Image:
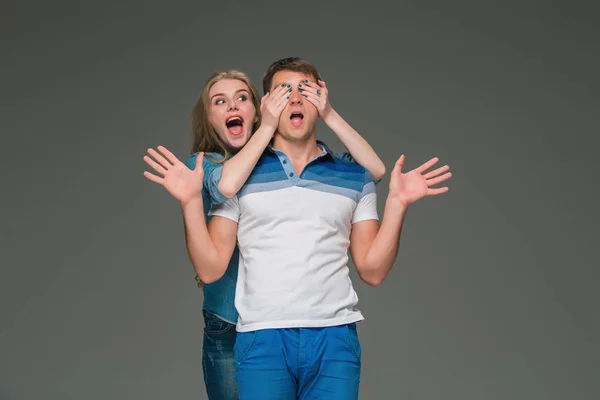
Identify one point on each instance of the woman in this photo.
(233, 128)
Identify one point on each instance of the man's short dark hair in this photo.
(295, 64)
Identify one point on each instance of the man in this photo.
(294, 220)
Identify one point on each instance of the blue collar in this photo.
(326, 150)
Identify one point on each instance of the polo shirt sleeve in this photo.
(346, 156)
(212, 176)
(366, 209)
(229, 209)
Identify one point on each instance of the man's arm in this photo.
(209, 248)
(374, 248)
(209, 256)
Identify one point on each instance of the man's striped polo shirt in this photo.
(293, 238)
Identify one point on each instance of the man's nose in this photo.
(296, 97)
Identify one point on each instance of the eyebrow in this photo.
(221, 94)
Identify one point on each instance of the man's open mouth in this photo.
(296, 118)
(235, 125)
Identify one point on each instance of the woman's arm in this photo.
(238, 168)
(358, 147)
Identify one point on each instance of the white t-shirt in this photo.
(293, 238)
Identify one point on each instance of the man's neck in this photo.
(300, 152)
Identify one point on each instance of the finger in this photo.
(436, 172)
(155, 165)
(275, 95)
(160, 158)
(281, 94)
(305, 88)
(427, 165)
(283, 90)
(313, 98)
(322, 83)
(312, 87)
(153, 178)
(262, 100)
(435, 181)
(433, 192)
(399, 165)
(280, 105)
(170, 156)
(305, 93)
(283, 100)
(310, 84)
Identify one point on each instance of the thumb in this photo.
(321, 83)
(199, 161)
(399, 165)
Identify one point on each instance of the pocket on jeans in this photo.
(214, 324)
(352, 340)
(244, 342)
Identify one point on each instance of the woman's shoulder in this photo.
(211, 159)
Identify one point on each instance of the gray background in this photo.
(494, 294)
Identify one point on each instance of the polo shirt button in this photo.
(285, 161)
(291, 174)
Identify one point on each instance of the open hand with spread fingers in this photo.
(411, 186)
(183, 183)
(318, 95)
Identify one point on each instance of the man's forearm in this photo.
(384, 248)
(203, 253)
(360, 149)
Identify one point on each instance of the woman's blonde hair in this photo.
(204, 135)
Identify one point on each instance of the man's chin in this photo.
(294, 134)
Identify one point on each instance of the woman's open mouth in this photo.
(235, 125)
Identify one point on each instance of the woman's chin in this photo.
(236, 142)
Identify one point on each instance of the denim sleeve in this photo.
(212, 176)
(346, 156)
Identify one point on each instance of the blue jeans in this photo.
(298, 363)
(217, 358)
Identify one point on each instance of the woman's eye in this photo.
(220, 101)
(243, 97)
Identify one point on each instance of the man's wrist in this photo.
(395, 206)
(193, 204)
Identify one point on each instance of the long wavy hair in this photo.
(205, 137)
